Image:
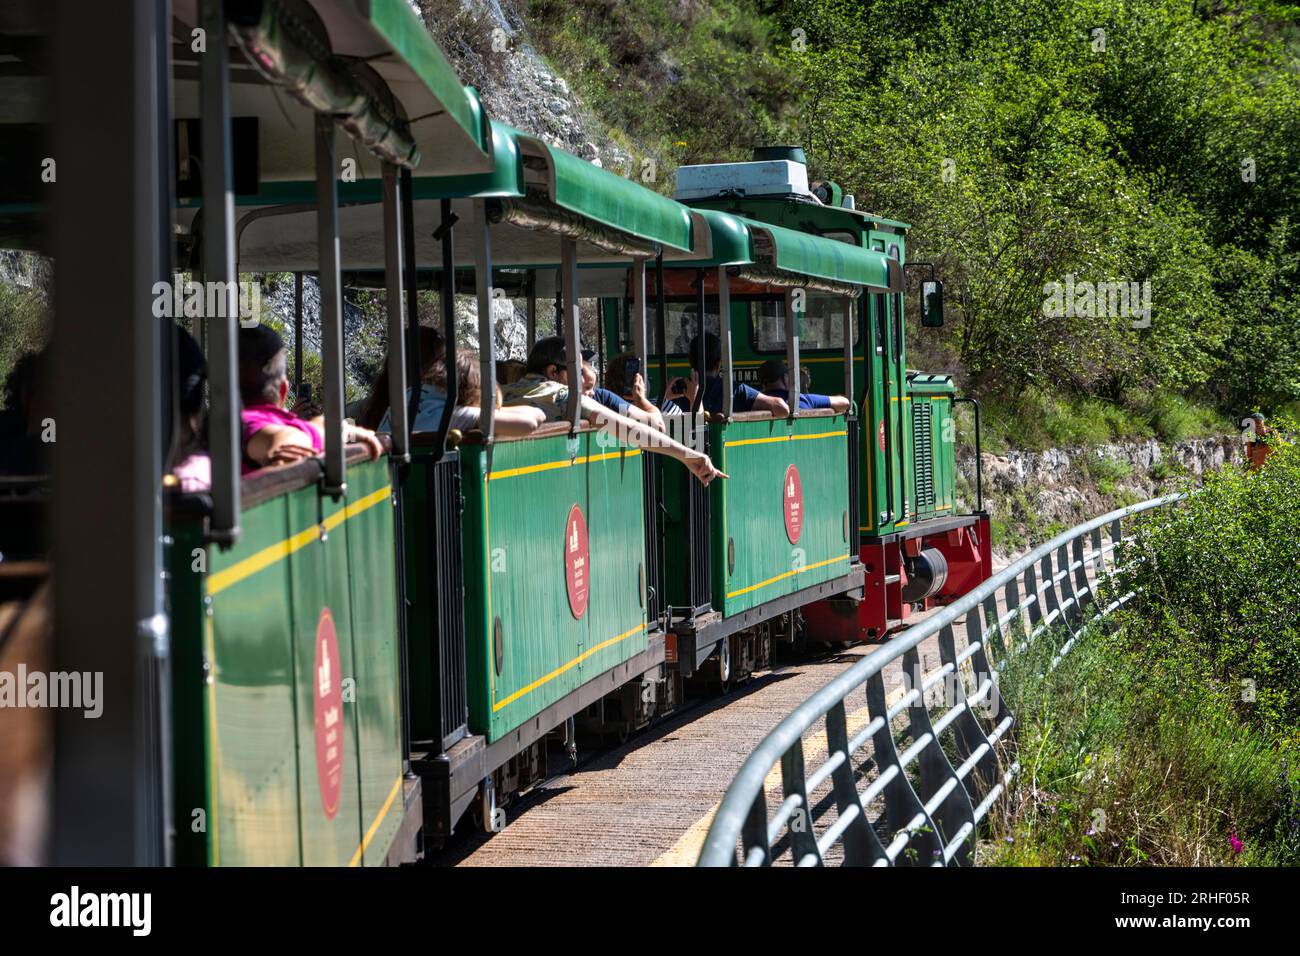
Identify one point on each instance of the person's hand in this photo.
(288, 454)
(692, 386)
(364, 436)
(702, 467)
(638, 388)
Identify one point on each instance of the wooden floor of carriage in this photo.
(651, 800)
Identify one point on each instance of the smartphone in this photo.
(631, 370)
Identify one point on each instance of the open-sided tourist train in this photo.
(347, 656)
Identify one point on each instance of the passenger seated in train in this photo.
(272, 435)
(774, 379)
(433, 387)
(191, 470)
(27, 417)
(615, 402)
(623, 378)
(546, 387)
(514, 422)
(744, 398)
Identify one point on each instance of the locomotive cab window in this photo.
(822, 328)
(681, 322)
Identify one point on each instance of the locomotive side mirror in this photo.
(932, 304)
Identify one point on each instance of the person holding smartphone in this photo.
(623, 377)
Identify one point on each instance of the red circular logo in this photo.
(792, 496)
(577, 564)
(882, 435)
(328, 696)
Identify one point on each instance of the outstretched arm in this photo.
(645, 437)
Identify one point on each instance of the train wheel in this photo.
(724, 664)
(489, 817)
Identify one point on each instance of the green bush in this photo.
(1220, 594)
(1122, 767)
(1172, 737)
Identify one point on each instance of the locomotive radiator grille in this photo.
(923, 457)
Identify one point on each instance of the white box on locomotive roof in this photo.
(778, 177)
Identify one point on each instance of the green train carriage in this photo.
(496, 661)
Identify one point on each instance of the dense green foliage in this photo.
(1220, 598)
(24, 326)
(1183, 725)
(1118, 769)
(1025, 147)
(684, 82)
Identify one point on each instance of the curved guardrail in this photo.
(926, 793)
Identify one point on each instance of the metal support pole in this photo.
(297, 336)
(792, 348)
(660, 320)
(531, 294)
(559, 301)
(414, 361)
(849, 321)
(393, 283)
(979, 452)
(111, 802)
(486, 327)
(569, 287)
(331, 305)
(724, 335)
(447, 294)
(638, 316)
(224, 432)
(701, 357)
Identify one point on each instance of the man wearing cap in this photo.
(545, 385)
(774, 379)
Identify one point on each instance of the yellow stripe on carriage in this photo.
(564, 667)
(787, 574)
(374, 826)
(268, 556)
(775, 438)
(567, 463)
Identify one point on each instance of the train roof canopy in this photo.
(372, 63)
(535, 193)
(761, 250)
(790, 251)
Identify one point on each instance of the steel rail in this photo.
(931, 807)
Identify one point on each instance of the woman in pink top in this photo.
(273, 436)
